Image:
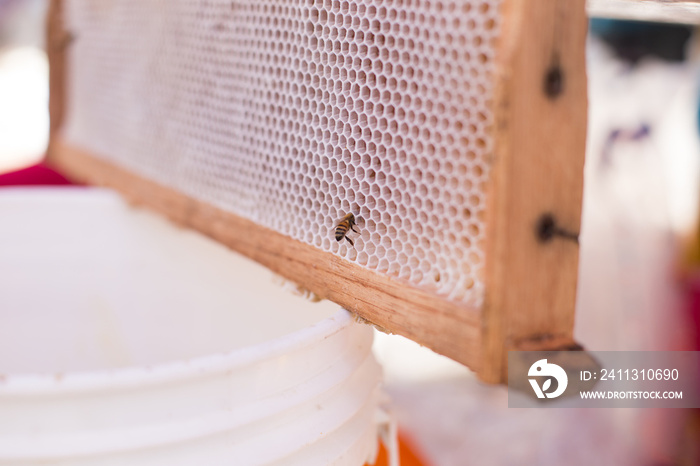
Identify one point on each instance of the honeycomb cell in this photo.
(304, 109)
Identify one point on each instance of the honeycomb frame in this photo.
(332, 107)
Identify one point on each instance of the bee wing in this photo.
(349, 217)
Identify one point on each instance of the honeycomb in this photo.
(292, 113)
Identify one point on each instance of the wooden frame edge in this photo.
(536, 189)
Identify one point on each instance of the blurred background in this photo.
(639, 283)
(24, 119)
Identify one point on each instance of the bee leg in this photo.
(353, 229)
(350, 241)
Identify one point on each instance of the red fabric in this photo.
(36, 175)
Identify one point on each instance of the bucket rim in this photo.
(171, 371)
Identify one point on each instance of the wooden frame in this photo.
(533, 217)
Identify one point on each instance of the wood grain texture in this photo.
(393, 305)
(537, 171)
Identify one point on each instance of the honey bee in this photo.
(344, 225)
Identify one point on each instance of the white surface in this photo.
(126, 340)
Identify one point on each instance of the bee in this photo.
(344, 224)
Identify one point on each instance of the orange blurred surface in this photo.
(408, 454)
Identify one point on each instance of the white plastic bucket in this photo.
(127, 341)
